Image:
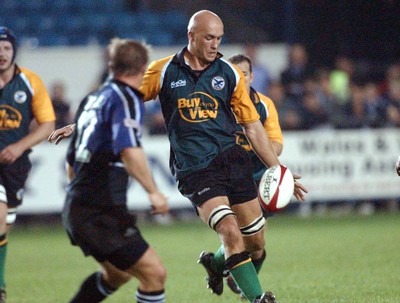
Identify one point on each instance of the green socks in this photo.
(245, 275)
(3, 253)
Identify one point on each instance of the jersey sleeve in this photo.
(271, 124)
(42, 106)
(152, 79)
(126, 129)
(241, 103)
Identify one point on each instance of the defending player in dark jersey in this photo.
(23, 98)
(104, 152)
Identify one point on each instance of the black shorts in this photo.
(230, 174)
(106, 233)
(12, 180)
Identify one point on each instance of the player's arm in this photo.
(260, 142)
(13, 151)
(271, 124)
(137, 167)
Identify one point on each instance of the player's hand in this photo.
(159, 203)
(299, 189)
(11, 153)
(398, 166)
(61, 133)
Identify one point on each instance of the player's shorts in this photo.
(229, 174)
(106, 233)
(12, 180)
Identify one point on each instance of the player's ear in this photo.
(251, 77)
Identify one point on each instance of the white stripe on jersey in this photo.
(132, 136)
(265, 106)
(28, 84)
(235, 72)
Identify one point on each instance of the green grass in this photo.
(329, 259)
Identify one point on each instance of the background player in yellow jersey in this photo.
(270, 120)
(23, 98)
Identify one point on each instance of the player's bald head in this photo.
(204, 19)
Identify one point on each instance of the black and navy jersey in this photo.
(107, 121)
(270, 120)
(23, 99)
(200, 108)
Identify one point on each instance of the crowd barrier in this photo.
(334, 165)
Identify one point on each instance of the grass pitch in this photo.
(315, 260)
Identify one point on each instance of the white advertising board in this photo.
(334, 165)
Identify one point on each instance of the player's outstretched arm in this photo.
(61, 133)
(136, 165)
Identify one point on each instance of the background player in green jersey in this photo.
(23, 98)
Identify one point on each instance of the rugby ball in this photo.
(276, 188)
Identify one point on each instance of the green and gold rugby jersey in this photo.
(200, 108)
(23, 99)
(270, 120)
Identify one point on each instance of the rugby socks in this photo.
(259, 262)
(150, 297)
(244, 274)
(3, 253)
(93, 290)
(218, 260)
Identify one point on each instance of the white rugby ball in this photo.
(276, 188)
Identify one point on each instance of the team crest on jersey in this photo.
(20, 96)
(198, 107)
(10, 117)
(218, 83)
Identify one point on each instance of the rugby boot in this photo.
(215, 280)
(267, 297)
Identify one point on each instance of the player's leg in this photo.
(12, 182)
(218, 215)
(252, 226)
(114, 240)
(151, 273)
(101, 284)
(3, 243)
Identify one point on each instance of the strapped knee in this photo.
(254, 227)
(219, 213)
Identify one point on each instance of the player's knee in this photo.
(221, 213)
(154, 278)
(116, 279)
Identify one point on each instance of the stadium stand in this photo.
(75, 22)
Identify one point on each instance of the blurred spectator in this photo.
(354, 110)
(290, 117)
(60, 104)
(314, 114)
(375, 105)
(392, 98)
(329, 101)
(297, 71)
(154, 119)
(261, 74)
(340, 78)
(392, 73)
